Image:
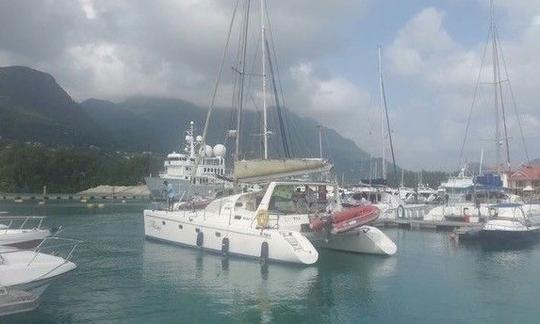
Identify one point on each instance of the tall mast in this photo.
(263, 57)
(385, 116)
(496, 89)
(242, 77)
(381, 102)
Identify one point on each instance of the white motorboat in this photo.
(32, 270)
(23, 232)
(272, 223)
(509, 222)
(25, 274)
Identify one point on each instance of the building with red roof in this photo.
(526, 177)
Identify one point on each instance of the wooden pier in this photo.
(420, 224)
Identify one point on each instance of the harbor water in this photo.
(121, 277)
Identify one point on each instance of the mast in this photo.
(263, 57)
(384, 112)
(495, 88)
(381, 103)
(242, 78)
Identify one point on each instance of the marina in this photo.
(271, 197)
(123, 277)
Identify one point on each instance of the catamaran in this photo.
(267, 223)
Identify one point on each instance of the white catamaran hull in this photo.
(196, 232)
(366, 239)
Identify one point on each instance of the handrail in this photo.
(25, 220)
(68, 241)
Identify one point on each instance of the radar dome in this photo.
(189, 138)
(208, 151)
(219, 150)
(199, 138)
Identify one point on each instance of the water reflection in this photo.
(272, 291)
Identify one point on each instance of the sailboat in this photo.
(271, 219)
(484, 198)
(376, 191)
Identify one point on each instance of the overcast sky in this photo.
(327, 57)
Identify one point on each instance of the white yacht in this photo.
(179, 170)
(509, 222)
(469, 199)
(271, 224)
(25, 274)
(23, 232)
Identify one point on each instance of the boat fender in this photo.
(225, 246)
(200, 239)
(262, 218)
(264, 251)
(400, 212)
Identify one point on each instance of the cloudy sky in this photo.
(327, 56)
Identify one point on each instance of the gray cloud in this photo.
(112, 49)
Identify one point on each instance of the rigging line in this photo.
(516, 112)
(214, 94)
(473, 103)
(285, 112)
(505, 128)
(220, 71)
(278, 107)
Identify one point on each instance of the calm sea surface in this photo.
(121, 277)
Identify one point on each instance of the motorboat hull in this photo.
(23, 238)
(196, 232)
(531, 234)
(365, 239)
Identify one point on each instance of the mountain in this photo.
(33, 107)
(158, 125)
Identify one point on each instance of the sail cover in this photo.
(259, 170)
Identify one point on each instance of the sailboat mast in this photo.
(242, 78)
(381, 100)
(385, 111)
(263, 57)
(496, 89)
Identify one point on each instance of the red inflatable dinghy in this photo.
(354, 217)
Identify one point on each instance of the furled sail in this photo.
(259, 170)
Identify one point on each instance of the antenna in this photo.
(320, 140)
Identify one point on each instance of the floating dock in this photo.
(425, 224)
